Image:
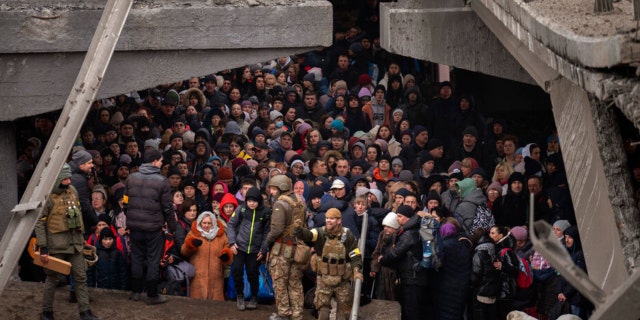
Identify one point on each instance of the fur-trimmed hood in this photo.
(202, 101)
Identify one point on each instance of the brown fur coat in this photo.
(208, 283)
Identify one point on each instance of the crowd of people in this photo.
(196, 175)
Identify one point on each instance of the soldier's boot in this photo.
(323, 313)
(240, 303)
(275, 316)
(253, 303)
(47, 315)
(88, 315)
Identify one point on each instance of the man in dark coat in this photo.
(149, 204)
(405, 258)
(311, 109)
(417, 112)
(81, 167)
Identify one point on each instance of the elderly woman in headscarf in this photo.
(207, 248)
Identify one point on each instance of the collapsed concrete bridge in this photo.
(43, 46)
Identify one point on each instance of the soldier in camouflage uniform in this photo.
(59, 234)
(337, 261)
(286, 275)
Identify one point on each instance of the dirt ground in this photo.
(23, 300)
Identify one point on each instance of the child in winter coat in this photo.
(228, 205)
(110, 271)
(247, 231)
(207, 249)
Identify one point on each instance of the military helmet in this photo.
(281, 181)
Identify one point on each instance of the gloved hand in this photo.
(196, 242)
(226, 256)
(357, 274)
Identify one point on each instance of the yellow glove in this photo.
(357, 275)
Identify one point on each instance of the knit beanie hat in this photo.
(303, 128)
(405, 175)
(225, 174)
(337, 124)
(520, 233)
(434, 143)
(315, 192)
(562, 224)
(495, 186)
(391, 220)
(471, 130)
(433, 195)
(81, 157)
(406, 211)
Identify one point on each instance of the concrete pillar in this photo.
(590, 186)
(8, 187)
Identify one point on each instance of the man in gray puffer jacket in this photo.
(149, 205)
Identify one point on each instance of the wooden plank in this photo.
(55, 264)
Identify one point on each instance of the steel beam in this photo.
(67, 128)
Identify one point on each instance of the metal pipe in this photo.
(358, 284)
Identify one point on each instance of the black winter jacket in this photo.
(150, 203)
(453, 278)
(404, 257)
(110, 272)
(249, 228)
(485, 279)
(510, 266)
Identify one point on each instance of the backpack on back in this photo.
(525, 276)
(482, 219)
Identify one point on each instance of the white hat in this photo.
(337, 184)
(362, 191)
(377, 193)
(274, 114)
(391, 220)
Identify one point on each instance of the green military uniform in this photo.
(59, 233)
(337, 255)
(286, 275)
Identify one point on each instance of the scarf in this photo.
(211, 234)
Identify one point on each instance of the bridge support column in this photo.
(592, 152)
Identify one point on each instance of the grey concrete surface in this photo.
(8, 190)
(453, 36)
(588, 182)
(42, 48)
